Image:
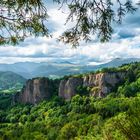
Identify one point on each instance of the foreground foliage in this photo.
(20, 19)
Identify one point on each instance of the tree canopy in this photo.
(22, 18)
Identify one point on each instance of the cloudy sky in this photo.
(125, 43)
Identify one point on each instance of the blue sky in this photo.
(125, 43)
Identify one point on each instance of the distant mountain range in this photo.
(57, 69)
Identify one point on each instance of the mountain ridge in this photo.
(58, 69)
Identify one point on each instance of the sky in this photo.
(125, 43)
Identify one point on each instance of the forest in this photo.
(115, 117)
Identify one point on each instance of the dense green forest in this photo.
(115, 117)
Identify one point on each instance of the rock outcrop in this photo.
(67, 88)
(103, 83)
(99, 84)
(36, 90)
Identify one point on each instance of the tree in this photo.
(68, 131)
(21, 18)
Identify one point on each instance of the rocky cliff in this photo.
(99, 84)
(103, 83)
(36, 90)
(67, 88)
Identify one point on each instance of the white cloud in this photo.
(50, 50)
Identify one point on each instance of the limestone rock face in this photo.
(100, 84)
(35, 90)
(67, 88)
(103, 83)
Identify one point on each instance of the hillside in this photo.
(10, 80)
(115, 116)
